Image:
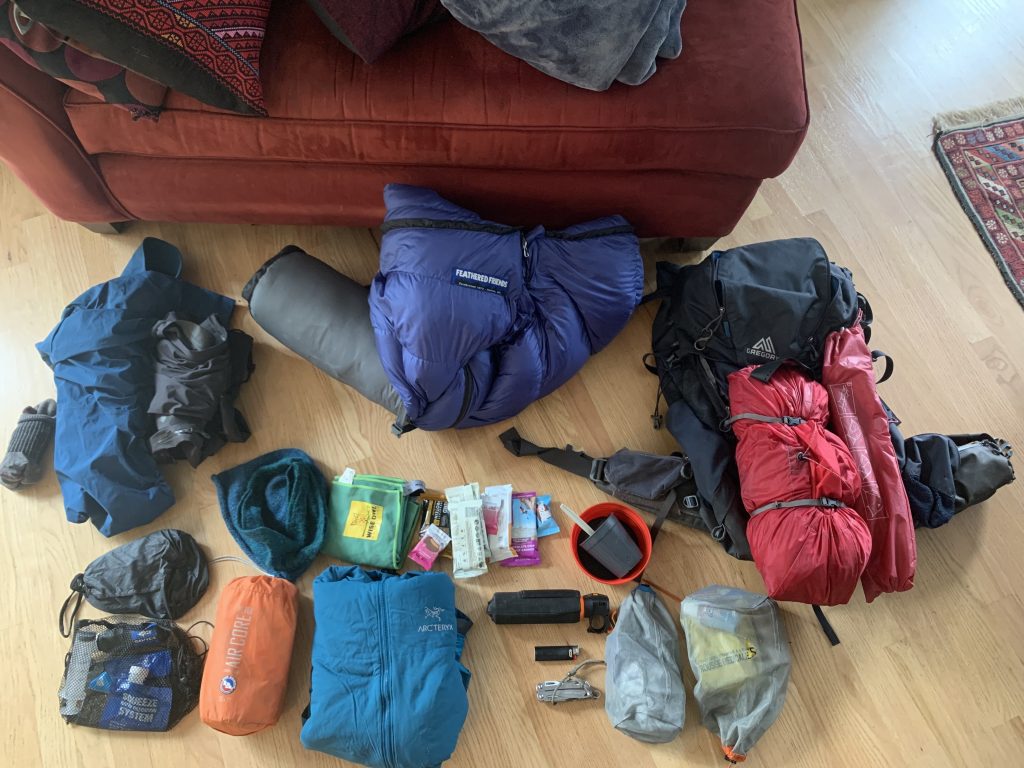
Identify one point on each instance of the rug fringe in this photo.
(1007, 109)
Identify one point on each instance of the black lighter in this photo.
(551, 606)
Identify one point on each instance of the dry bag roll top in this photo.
(371, 519)
(246, 674)
(161, 576)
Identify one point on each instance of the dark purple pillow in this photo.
(76, 66)
(370, 28)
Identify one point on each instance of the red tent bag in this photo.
(798, 482)
(859, 418)
(246, 672)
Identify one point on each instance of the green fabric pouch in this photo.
(370, 520)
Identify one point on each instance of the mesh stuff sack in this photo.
(130, 674)
(739, 655)
(161, 575)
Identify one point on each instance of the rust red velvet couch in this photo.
(681, 155)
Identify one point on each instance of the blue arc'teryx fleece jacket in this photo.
(387, 688)
(475, 320)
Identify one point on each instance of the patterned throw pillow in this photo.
(208, 49)
(76, 67)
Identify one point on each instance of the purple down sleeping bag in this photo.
(475, 320)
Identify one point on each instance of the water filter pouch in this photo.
(130, 674)
(371, 519)
(644, 694)
(739, 655)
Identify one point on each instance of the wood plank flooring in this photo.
(933, 677)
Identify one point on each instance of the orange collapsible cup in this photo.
(246, 671)
(636, 528)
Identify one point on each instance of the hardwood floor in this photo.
(933, 677)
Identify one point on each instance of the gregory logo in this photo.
(765, 347)
(480, 281)
(434, 614)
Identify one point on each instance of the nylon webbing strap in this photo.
(789, 421)
(823, 502)
(826, 625)
(576, 462)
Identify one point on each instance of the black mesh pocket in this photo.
(130, 674)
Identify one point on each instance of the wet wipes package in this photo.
(524, 530)
(498, 519)
(546, 523)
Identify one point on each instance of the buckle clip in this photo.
(597, 470)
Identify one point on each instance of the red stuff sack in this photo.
(798, 482)
(246, 671)
(859, 418)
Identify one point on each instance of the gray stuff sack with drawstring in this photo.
(644, 694)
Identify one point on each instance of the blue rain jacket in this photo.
(387, 687)
(101, 353)
(475, 320)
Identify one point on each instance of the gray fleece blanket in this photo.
(589, 43)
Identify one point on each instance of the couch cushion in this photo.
(732, 103)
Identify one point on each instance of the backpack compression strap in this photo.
(789, 421)
(822, 502)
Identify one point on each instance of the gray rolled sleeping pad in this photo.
(644, 694)
(324, 317)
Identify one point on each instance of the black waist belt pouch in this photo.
(130, 674)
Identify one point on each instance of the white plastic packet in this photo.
(469, 537)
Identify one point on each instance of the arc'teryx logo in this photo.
(434, 615)
(764, 347)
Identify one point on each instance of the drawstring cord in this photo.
(804, 457)
(77, 594)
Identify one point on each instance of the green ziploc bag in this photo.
(370, 520)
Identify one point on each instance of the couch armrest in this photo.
(39, 146)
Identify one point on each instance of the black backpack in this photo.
(761, 304)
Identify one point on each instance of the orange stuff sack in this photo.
(246, 672)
